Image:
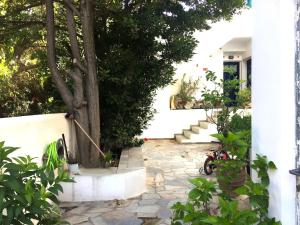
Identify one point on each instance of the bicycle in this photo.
(209, 165)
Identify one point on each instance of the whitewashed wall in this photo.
(166, 124)
(273, 100)
(208, 54)
(33, 133)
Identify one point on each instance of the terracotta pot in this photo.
(238, 179)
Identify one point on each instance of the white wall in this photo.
(168, 123)
(273, 100)
(208, 54)
(33, 133)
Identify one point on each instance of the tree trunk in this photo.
(84, 101)
(92, 87)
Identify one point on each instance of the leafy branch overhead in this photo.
(136, 45)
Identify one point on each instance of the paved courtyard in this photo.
(169, 166)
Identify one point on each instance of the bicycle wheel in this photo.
(209, 166)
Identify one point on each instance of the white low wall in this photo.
(33, 133)
(123, 185)
(169, 122)
(127, 181)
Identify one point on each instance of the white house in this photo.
(227, 42)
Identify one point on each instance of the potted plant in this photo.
(184, 99)
(202, 208)
(73, 165)
(72, 159)
(231, 173)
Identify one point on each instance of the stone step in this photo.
(203, 133)
(207, 125)
(199, 133)
(196, 129)
(200, 130)
(190, 134)
(200, 139)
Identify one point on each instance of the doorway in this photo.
(231, 72)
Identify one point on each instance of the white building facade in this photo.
(226, 41)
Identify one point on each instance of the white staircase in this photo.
(198, 133)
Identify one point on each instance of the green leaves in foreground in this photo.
(28, 192)
(201, 210)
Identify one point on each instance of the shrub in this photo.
(28, 192)
(239, 123)
(218, 97)
(198, 208)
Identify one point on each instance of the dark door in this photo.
(231, 73)
(249, 62)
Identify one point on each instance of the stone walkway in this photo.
(169, 166)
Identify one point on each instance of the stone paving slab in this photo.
(169, 166)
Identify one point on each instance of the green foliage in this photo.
(186, 92)
(28, 192)
(108, 159)
(242, 125)
(53, 160)
(231, 215)
(202, 193)
(198, 208)
(239, 123)
(261, 166)
(25, 85)
(215, 97)
(244, 98)
(26, 94)
(137, 45)
(233, 168)
(258, 192)
(233, 144)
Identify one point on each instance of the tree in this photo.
(70, 54)
(137, 43)
(84, 101)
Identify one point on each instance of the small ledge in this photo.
(125, 181)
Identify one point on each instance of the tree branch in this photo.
(80, 66)
(24, 68)
(60, 83)
(24, 8)
(70, 5)
(71, 25)
(16, 25)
